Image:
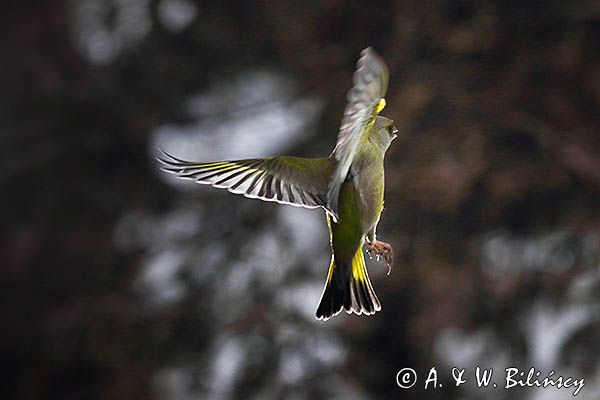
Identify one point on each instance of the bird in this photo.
(348, 185)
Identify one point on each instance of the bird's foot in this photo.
(383, 251)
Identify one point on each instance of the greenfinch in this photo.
(348, 185)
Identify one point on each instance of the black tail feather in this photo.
(349, 288)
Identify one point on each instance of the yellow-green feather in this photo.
(348, 286)
(348, 233)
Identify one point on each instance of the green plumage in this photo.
(348, 286)
(349, 185)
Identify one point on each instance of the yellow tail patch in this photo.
(358, 266)
(351, 291)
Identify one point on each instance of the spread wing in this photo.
(365, 101)
(287, 180)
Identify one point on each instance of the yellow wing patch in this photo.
(380, 106)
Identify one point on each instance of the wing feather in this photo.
(365, 101)
(288, 180)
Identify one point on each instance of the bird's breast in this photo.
(368, 177)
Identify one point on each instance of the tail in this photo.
(348, 287)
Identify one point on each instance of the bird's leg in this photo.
(383, 250)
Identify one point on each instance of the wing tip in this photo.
(369, 52)
(167, 160)
(366, 51)
(169, 156)
(332, 210)
(333, 199)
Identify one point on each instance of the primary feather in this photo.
(288, 180)
(365, 101)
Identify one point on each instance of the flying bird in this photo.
(348, 185)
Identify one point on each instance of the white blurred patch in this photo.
(163, 237)
(585, 286)
(101, 47)
(159, 281)
(102, 28)
(504, 253)
(228, 362)
(549, 327)
(293, 366)
(173, 383)
(206, 261)
(137, 230)
(327, 349)
(456, 348)
(555, 393)
(176, 15)
(308, 230)
(261, 262)
(303, 355)
(248, 117)
(253, 91)
(264, 256)
(301, 299)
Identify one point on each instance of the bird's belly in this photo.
(371, 201)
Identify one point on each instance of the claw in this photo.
(383, 251)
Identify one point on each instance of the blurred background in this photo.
(119, 282)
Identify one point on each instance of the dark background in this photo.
(118, 282)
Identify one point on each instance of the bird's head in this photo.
(384, 132)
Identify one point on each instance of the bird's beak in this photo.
(394, 132)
